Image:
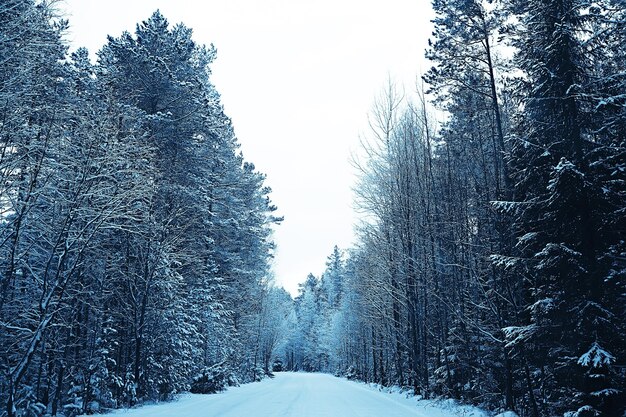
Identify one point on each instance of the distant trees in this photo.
(275, 323)
(316, 340)
(133, 235)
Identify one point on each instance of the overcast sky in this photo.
(297, 77)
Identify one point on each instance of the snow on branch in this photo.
(596, 357)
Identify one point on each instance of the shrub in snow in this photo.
(352, 373)
(259, 374)
(25, 400)
(213, 380)
(277, 366)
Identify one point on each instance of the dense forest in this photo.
(490, 264)
(134, 239)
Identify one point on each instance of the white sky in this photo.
(297, 77)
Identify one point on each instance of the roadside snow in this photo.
(302, 395)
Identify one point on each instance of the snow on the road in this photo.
(298, 395)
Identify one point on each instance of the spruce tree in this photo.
(560, 214)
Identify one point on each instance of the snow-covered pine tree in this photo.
(570, 334)
(466, 80)
(124, 204)
(463, 48)
(332, 278)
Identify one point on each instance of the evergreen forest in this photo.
(490, 265)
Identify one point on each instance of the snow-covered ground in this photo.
(301, 395)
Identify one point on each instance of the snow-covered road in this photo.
(291, 395)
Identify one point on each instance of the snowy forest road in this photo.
(288, 395)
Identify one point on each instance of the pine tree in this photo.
(129, 217)
(560, 217)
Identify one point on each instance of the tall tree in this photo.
(561, 216)
(131, 223)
